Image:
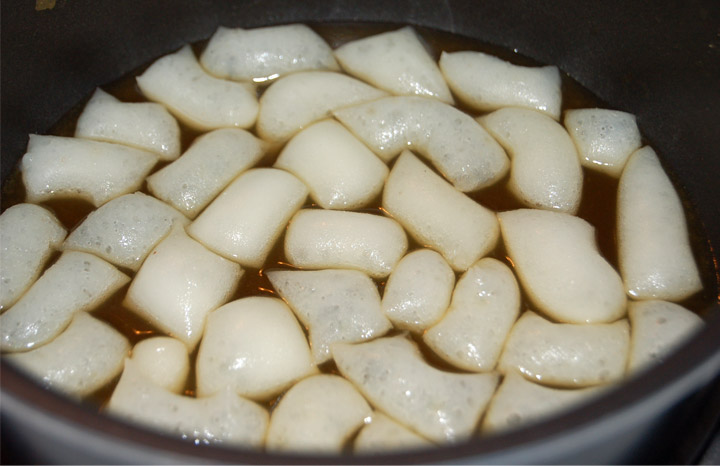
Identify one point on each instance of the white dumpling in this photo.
(317, 415)
(59, 167)
(444, 407)
(77, 282)
(487, 83)
(438, 215)
(384, 435)
(124, 230)
(604, 138)
(246, 219)
(518, 402)
(299, 99)
(266, 53)
(454, 143)
(335, 239)
(198, 99)
(144, 125)
(179, 283)
(418, 291)
(656, 260)
(545, 170)
(213, 160)
(485, 305)
(658, 328)
(334, 305)
(566, 355)
(29, 234)
(395, 61)
(82, 359)
(340, 171)
(557, 261)
(164, 361)
(224, 418)
(255, 346)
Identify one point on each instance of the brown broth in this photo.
(599, 197)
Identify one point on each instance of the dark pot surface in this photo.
(660, 61)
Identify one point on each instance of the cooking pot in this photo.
(657, 60)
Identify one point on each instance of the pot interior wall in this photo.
(660, 62)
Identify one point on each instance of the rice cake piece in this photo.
(164, 361)
(85, 357)
(418, 291)
(179, 283)
(317, 415)
(442, 406)
(224, 418)
(334, 306)
(59, 167)
(266, 53)
(77, 282)
(485, 305)
(213, 160)
(658, 328)
(334, 239)
(518, 402)
(295, 101)
(384, 435)
(486, 83)
(438, 215)
(396, 61)
(454, 143)
(145, 125)
(560, 267)
(545, 168)
(195, 97)
(255, 346)
(566, 355)
(124, 230)
(340, 171)
(29, 234)
(246, 219)
(604, 138)
(656, 260)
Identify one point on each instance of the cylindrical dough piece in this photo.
(458, 146)
(145, 125)
(213, 160)
(545, 170)
(395, 61)
(438, 215)
(82, 359)
(198, 99)
(418, 291)
(299, 99)
(558, 263)
(485, 304)
(28, 236)
(486, 83)
(658, 327)
(317, 415)
(334, 239)
(566, 355)
(245, 220)
(656, 260)
(255, 346)
(265, 53)
(605, 138)
(340, 171)
(164, 360)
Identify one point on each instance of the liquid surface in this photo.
(598, 205)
